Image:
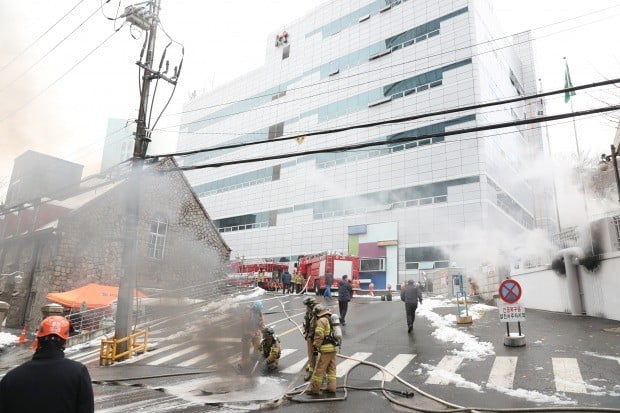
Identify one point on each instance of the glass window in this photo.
(286, 51)
(157, 237)
(372, 264)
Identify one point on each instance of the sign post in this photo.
(511, 311)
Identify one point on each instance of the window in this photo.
(286, 51)
(275, 131)
(423, 258)
(157, 238)
(372, 264)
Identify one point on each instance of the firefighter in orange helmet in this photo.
(325, 348)
(49, 382)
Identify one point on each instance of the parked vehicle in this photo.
(315, 267)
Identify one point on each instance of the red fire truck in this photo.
(314, 268)
(245, 272)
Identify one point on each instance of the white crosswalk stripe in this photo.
(447, 364)
(567, 375)
(194, 360)
(173, 356)
(503, 372)
(287, 352)
(395, 366)
(343, 367)
(153, 353)
(82, 356)
(296, 368)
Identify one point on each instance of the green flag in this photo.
(567, 84)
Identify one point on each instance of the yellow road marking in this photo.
(288, 331)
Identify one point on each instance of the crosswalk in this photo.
(566, 372)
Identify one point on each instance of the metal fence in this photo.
(158, 304)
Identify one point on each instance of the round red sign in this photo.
(510, 291)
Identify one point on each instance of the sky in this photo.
(50, 104)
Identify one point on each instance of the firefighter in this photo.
(325, 347)
(253, 324)
(270, 348)
(309, 326)
(260, 278)
(49, 382)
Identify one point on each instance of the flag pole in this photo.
(555, 190)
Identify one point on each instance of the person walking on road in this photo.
(325, 349)
(345, 292)
(286, 282)
(410, 295)
(309, 326)
(329, 280)
(49, 382)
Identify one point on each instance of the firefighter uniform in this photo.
(270, 349)
(326, 365)
(254, 322)
(309, 327)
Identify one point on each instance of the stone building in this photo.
(58, 245)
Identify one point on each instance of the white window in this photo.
(372, 264)
(157, 237)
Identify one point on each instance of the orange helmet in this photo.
(54, 324)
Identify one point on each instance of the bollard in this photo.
(4, 309)
(52, 309)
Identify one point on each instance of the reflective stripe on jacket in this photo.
(323, 329)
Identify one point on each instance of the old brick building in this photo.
(53, 246)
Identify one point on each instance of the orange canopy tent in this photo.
(95, 295)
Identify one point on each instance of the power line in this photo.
(20, 54)
(399, 64)
(396, 120)
(58, 79)
(22, 74)
(399, 140)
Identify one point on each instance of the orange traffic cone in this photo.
(22, 336)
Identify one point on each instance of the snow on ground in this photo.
(602, 356)
(95, 342)
(451, 377)
(233, 301)
(534, 396)
(6, 339)
(444, 331)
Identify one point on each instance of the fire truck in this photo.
(315, 267)
(245, 272)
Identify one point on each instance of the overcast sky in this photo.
(224, 40)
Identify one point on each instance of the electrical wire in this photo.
(340, 78)
(398, 120)
(22, 74)
(20, 54)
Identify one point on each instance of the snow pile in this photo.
(534, 396)
(451, 377)
(472, 348)
(6, 339)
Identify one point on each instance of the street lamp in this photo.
(603, 165)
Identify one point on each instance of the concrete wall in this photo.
(544, 289)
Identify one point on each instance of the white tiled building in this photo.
(358, 61)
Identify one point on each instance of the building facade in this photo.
(119, 142)
(64, 244)
(409, 203)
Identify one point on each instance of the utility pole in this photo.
(148, 21)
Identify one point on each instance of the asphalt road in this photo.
(568, 361)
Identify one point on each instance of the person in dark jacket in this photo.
(49, 382)
(345, 292)
(329, 280)
(286, 282)
(410, 295)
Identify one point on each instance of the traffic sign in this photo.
(510, 291)
(510, 313)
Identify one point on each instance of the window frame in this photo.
(156, 244)
(381, 264)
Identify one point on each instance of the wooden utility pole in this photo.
(127, 283)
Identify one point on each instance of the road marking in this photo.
(287, 351)
(447, 364)
(90, 360)
(288, 331)
(152, 353)
(86, 355)
(567, 375)
(503, 372)
(395, 366)
(344, 366)
(225, 339)
(296, 368)
(273, 308)
(194, 360)
(173, 355)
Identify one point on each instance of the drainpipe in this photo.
(575, 293)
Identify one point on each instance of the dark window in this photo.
(286, 51)
(425, 254)
(276, 173)
(275, 131)
(372, 264)
(273, 218)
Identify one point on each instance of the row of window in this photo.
(395, 198)
(358, 16)
(244, 180)
(354, 59)
(426, 258)
(511, 207)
